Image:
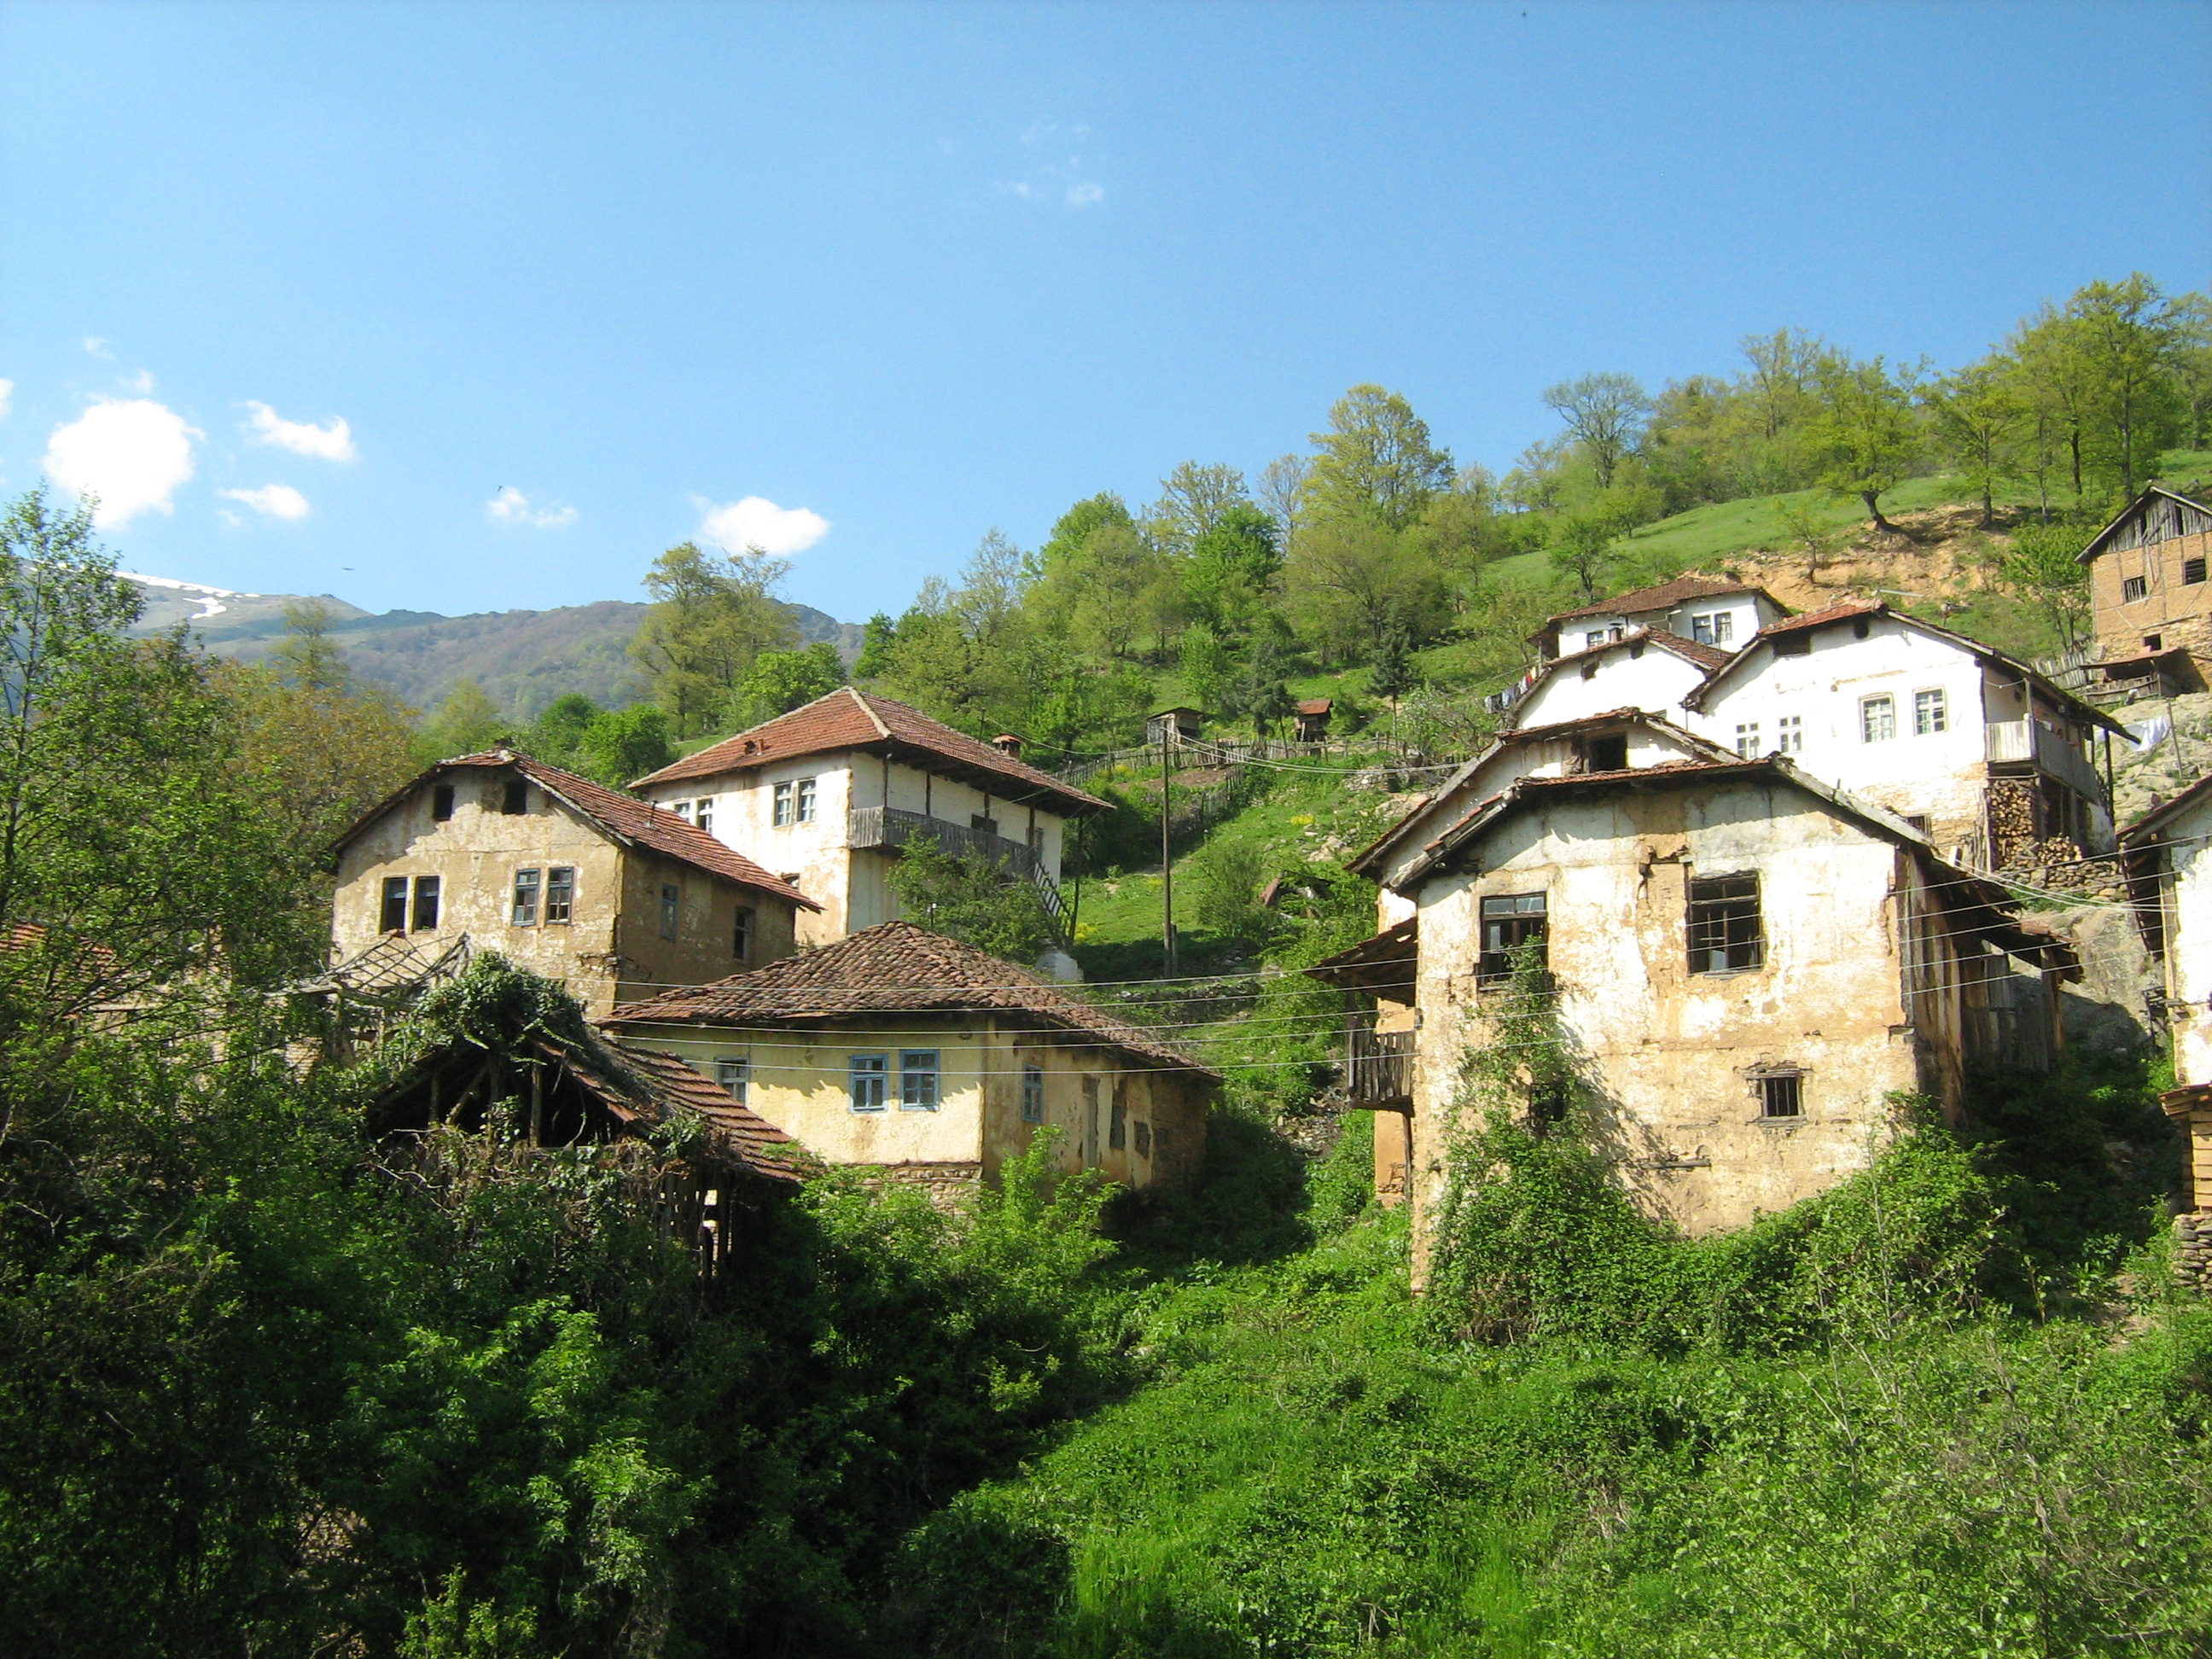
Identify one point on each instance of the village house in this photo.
(1748, 965)
(1996, 764)
(923, 1059)
(1715, 611)
(574, 881)
(2167, 854)
(2151, 603)
(828, 794)
(1641, 669)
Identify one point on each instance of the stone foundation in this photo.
(948, 1186)
(2192, 1251)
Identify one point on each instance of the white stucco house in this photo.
(1643, 668)
(1716, 610)
(831, 791)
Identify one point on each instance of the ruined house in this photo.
(1748, 965)
(2167, 854)
(2149, 594)
(830, 794)
(927, 1060)
(574, 881)
(1716, 610)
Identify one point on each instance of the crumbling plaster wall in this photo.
(1668, 1056)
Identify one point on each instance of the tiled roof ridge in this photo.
(1659, 596)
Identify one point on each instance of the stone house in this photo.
(1748, 964)
(828, 794)
(1993, 762)
(574, 881)
(1717, 611)
(2169, 869)
(2147, 588)
(924, 1060)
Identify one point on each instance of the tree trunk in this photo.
(1988, 505)
(1872, 500)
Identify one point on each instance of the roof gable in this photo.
(894, 968)
(2157, 515)
(849, 718)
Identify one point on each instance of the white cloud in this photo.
(277, 501)
(7, 397)
(133, 455)
(97, 346)
(511, 505)
(756, 521)
(1084, 194)
(141, 384)
(333, 442)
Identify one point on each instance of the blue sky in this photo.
(916, 272)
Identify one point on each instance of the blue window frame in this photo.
(918, 1078)
(867, 1075)
(1032, 1094)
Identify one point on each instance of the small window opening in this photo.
(736, 1076)
(1724, 924)
(1931, 713)
(426, 904)
(1747, 740)
(1918, 821)
(1792, 645)
(805, 800)
(1877, 719)
(1117, 1128)
(1781, 1094)
(441, 802)
(1509, 922)
(560, 893)
(2192, 572)
(515, 800)
(741, 935)
(2133, 588)
(527, 891)
(918, 1078)
(671, 907)
(703, 812)
(394, 917)
(1143, 1135)
(1032, 1094)
(1790, 735)
(867, 1075)
(1607, 753)
(2153, 641)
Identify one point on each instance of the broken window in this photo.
(394, 919)
(1032, 1094)
(672, 905)
(919, 1077)
(741, 935)
(1747, 739)
(1510, 922)
(1790, 735)
(1724, 932)
(2133, 588)
(1877, 719)
(426, 904)
(1606, 754)
(527, 886)
(441, 802)
(1931, 713)
(866, 1075)
(1781, 1094)
(1144, 1133)
(736, 1076)
(515, 799)
(560, 893)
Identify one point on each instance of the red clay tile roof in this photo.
(1316, 706)
(894, 967)
(1707, 657)
(851, 719)
(1664, 597)
(623, 817)
(737, 1133)
(1842, 611)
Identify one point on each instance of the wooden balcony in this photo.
(888, 828)
(1378, 1069)
(2011, 742)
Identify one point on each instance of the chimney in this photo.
(1008, 744)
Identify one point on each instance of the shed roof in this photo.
(848, 718)
(1316, 706)
(623, 818)
(892, 968)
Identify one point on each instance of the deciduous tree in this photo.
(1866, 434)
(1604, 413)
(1377, 462)
(710, 618)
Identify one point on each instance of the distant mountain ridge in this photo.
(522, 658)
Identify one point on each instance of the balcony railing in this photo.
(1379, 1065)
(890, 828)
(2026, 740)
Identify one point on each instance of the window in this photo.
(1607, 754)
(1508, 923)
(683, 809)
(736, 1076)
(1032, 1094)
(1877, 719)
(2153, 641)
(394, 919)
(1931, 713)
(1724, 934)
(1716, 628)
(515, 800)
(2133, 588)
(783, 804)
(1117, 1129)
(1594, 638)
(1790, 735)
(1918, 821)
(2192, 572)
(918, 1080)
(1792, 645)
(1781, 1094)
(441, 802)
(703, 812)
(867, 1073)
(741, 935)
(560, 893)
(426, 904)
(807, 800)
(525, 914)
(671, 904)
(1747, 740)
(1144, 1131)
(795, 802)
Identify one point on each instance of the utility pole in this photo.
(1167, 860)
